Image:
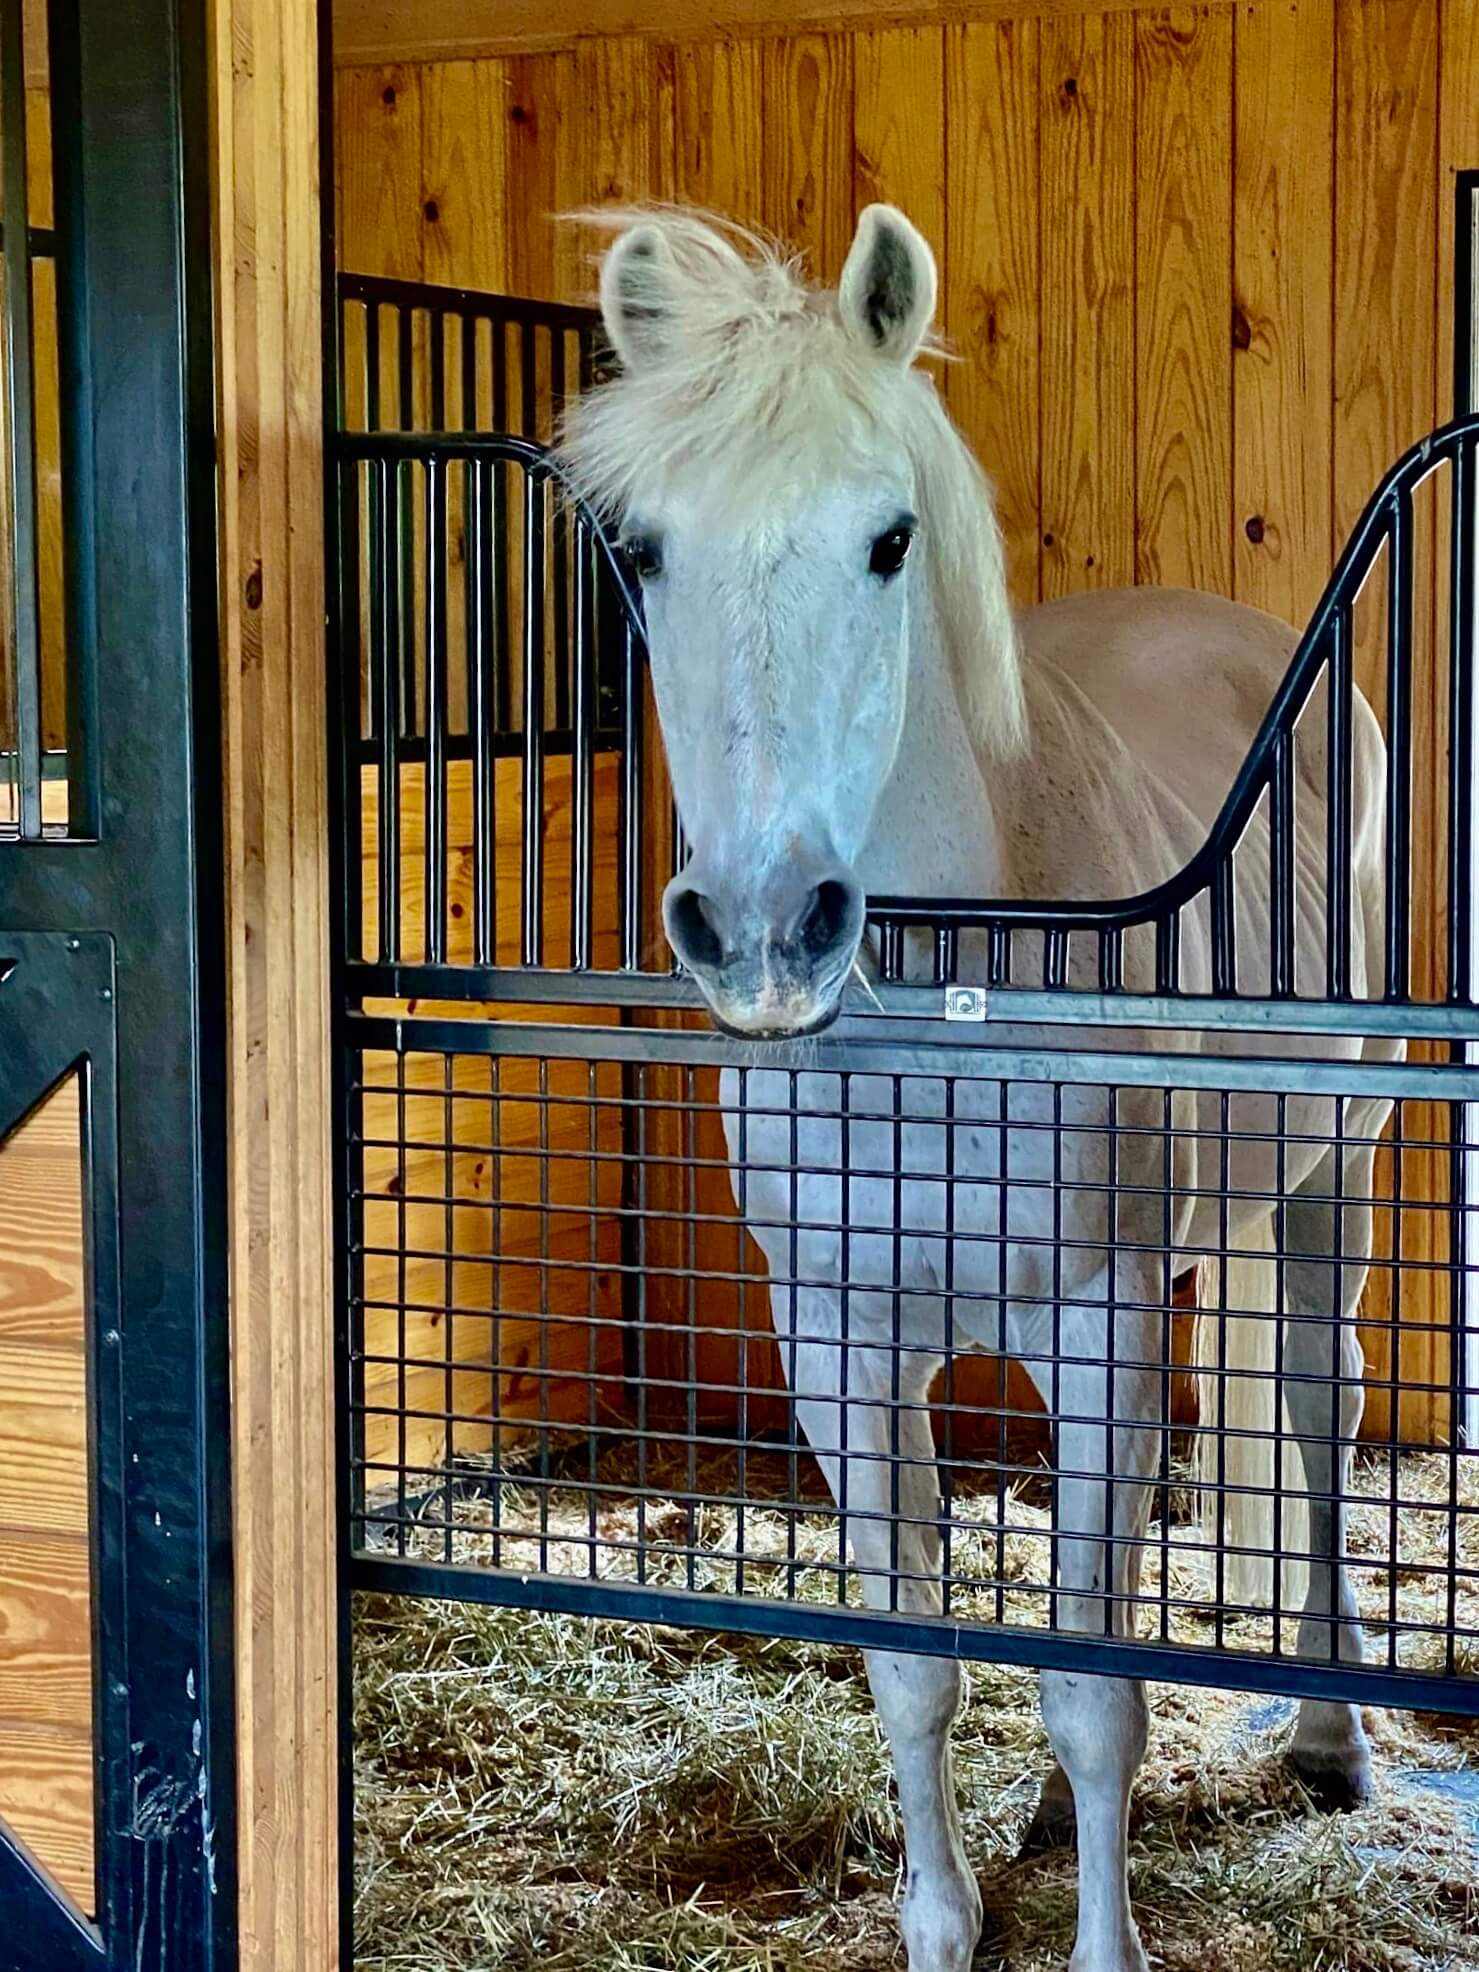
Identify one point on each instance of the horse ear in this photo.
(887, 293)
(636, 295)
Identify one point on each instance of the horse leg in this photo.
(1325, 1398)
(1099, 1726)
(876, 1450)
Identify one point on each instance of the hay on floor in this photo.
(538, 1791)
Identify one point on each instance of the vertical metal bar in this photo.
(528, 395)
(75, 409)
(480, 548)
(1055, 958)
(631, 803)
(582, 754)
(21, 421)
(1111, 960)
(1224, 930)
(1281, 867)
(532, 899)
(1463, 602)
(1338, 765)
(559, 527)
(349, 711)
(1399, 751)
(385, 680)
(1168, 952)
(498, 521)
(372, 366)
(467, 350)
(434, 784)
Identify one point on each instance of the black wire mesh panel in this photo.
(566, 1236)
(572, 1364)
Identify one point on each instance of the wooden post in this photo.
(264, 64)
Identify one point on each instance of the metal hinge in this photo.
(965, 1002)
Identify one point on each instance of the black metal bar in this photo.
(1398, 876)
(1338, 769)
(348, 702)
(1463, 603)
(1234, 1670)
(532, 819)
(385, 688)
(20, 351)
(372, 367)
(405, 362)
(582, 764)
(1224, 931)
(1281, 865)
(434, 785)
(75, 415)
(629, 820)
(481, 711)
(387, 290)
(437, 329)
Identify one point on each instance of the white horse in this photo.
(848, 705)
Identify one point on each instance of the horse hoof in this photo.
(1053, 1826)
(1335, 1786)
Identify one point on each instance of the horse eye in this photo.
(891, 551)
(644, 558)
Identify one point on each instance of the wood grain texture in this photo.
(396, 30)
(46, 1799)
(721, 128)
(378, 117)
(45, 1635)
(541, 175)
(1087, 98)
(45, 1588)
(899, 126)
(270, 422)
(464, 175)
(806, 158)
(992, 272)
(1283, 202)
(1183, 305)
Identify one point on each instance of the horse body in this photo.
(904, 1217)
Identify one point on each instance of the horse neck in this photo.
(934, 834)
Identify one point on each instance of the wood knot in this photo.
(518, 114)
(1242, 328)
(1253, 528)
(1070, 87)
(387, 95)
(432, 211)
(254, 587)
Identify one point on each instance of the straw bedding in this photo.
(537, 1791)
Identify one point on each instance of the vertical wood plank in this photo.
(464, 174)
(1183, 307)
(720, 129)
(899, 126)
(270, 422)
(541, 177)
(806, 154)
(378, 112)
(992, 271)
(1088, 324)
(1283, 193)
(1385, 280)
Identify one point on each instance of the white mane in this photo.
(760, 384)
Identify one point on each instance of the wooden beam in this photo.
(265, 117)
(371, 31)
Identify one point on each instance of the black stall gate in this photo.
(560, 1383)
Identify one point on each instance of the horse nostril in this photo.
(827, 919)
(692, 931)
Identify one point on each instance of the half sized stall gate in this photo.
(561, 1382)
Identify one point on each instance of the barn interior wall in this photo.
(1196, 265)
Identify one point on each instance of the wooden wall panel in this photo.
(721, 129)
(465, 180)
(1283, 204)
(380, 221)
(1183, 378)
(899, 127)
(992, 271)
(1087, 111)
(806, 158)
(45, 1586)
(543, 260)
